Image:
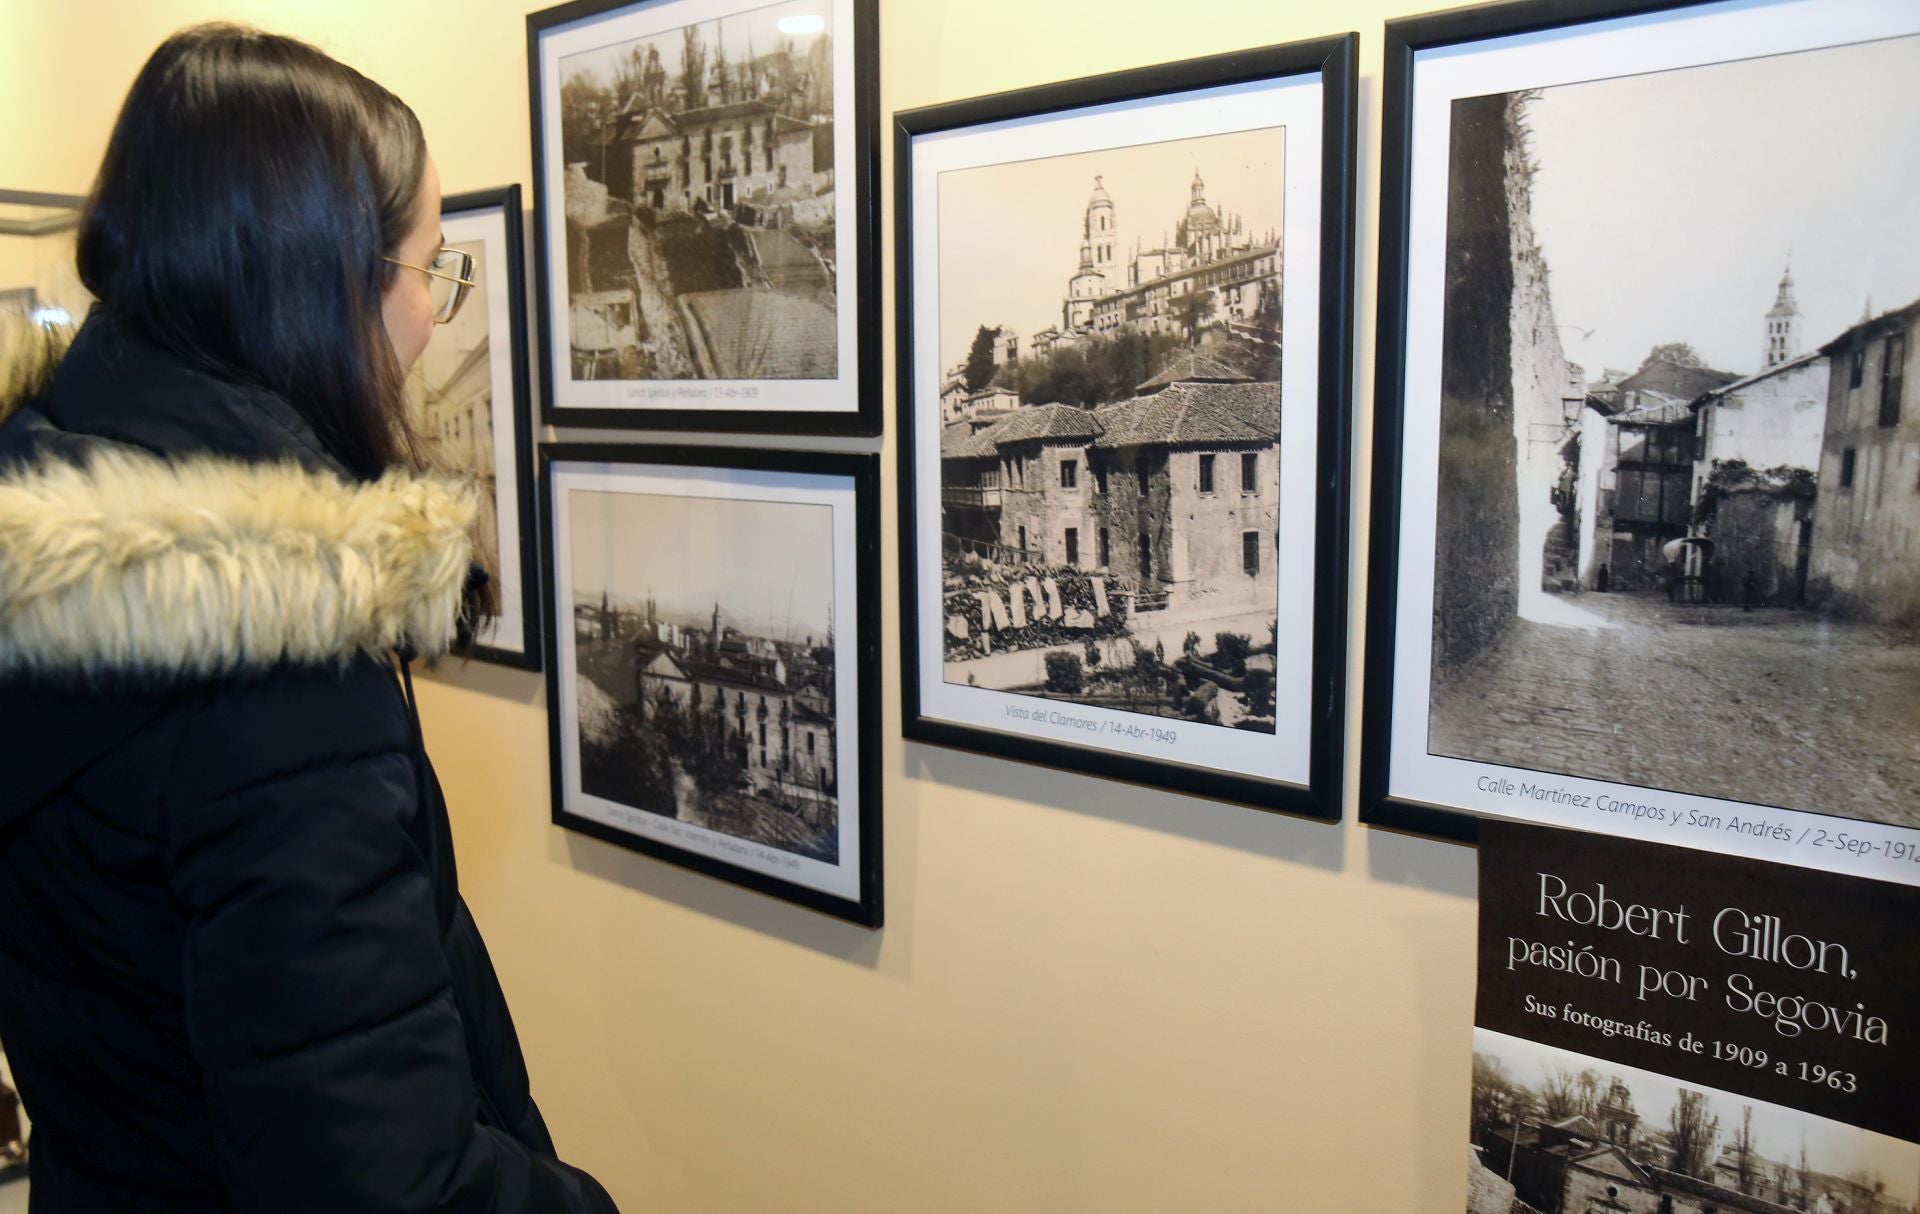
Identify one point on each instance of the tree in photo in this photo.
(1588, 1084)
(1230, 650)
(1065, 674)
(1678, 352)
(980, 365)
(1691, 1132)
(1097, 371)
(1559, 1094)
(585, 108)
(693, 68)
(1498, 1099)
(1746, 1162)
(629, 764)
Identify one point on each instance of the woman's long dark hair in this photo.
(249, 192)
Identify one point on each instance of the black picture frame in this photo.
(860, 383)
(511, 280)
(862, 474)
(1333, 60)
(1405, 39)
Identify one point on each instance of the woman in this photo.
(235, 971)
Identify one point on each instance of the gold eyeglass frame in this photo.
(463, 282)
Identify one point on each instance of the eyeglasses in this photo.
(451, 277)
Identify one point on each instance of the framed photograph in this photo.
(38, 275)
(1123, 323)
(714, 700)
(1647, 480)
(467, 396)
(704, 175)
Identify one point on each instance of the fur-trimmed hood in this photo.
(28, 354)
(206, 566)
(118, 556)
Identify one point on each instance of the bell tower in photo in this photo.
(1102, 229)
(1783, 324)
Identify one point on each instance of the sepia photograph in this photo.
(705, 672)
(707, 693)
(1123, 416)
(39, 278)
(1555, 1132)
(1109, 413)
(450, 397)
(467, 403)
(699, 200)
(1678, 510)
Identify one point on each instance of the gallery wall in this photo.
(1088, 996)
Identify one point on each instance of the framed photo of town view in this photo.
(1647, 458)
(467, 399)
(1123, 423)
(705, 230)
(713, 672)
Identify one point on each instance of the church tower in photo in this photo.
(1616, 1116)
(1783, 325)
(1102, 230)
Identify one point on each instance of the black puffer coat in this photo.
(235, 972)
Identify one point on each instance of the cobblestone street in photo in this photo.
(1773, 707)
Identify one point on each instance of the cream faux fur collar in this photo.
(28, 354)
(208, 566)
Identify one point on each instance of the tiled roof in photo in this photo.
(1792, 364)
(1186, 412)
(1870, 325)
(1719, 1195)
(1198, 366)
(1676, 379)
(1189, 412)
(1043, 422)
(1655, 409)
(709, 672)
(812, 716)
(630, 123)
(961, 441)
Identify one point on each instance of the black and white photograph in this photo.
(1675, 497)
(1109, 443)
(467, 401)
(1115, 400)
(712, 666)
(720, 717)
(700, 242)
(38, 276)
(1556, 1132)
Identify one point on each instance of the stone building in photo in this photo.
(1647, 468)
(1186, 486)
(1866, 531)
(1175, 489)
(1578, 1165)
(719, 155)
(771, 696)
(788, 736)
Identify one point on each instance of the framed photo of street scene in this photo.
(1123, 324)
(467, 400)
(1646, 514)
(713, 673)
(706, 235)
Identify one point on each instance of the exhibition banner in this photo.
(1666, 1029)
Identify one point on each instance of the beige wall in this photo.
(1089, 996)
